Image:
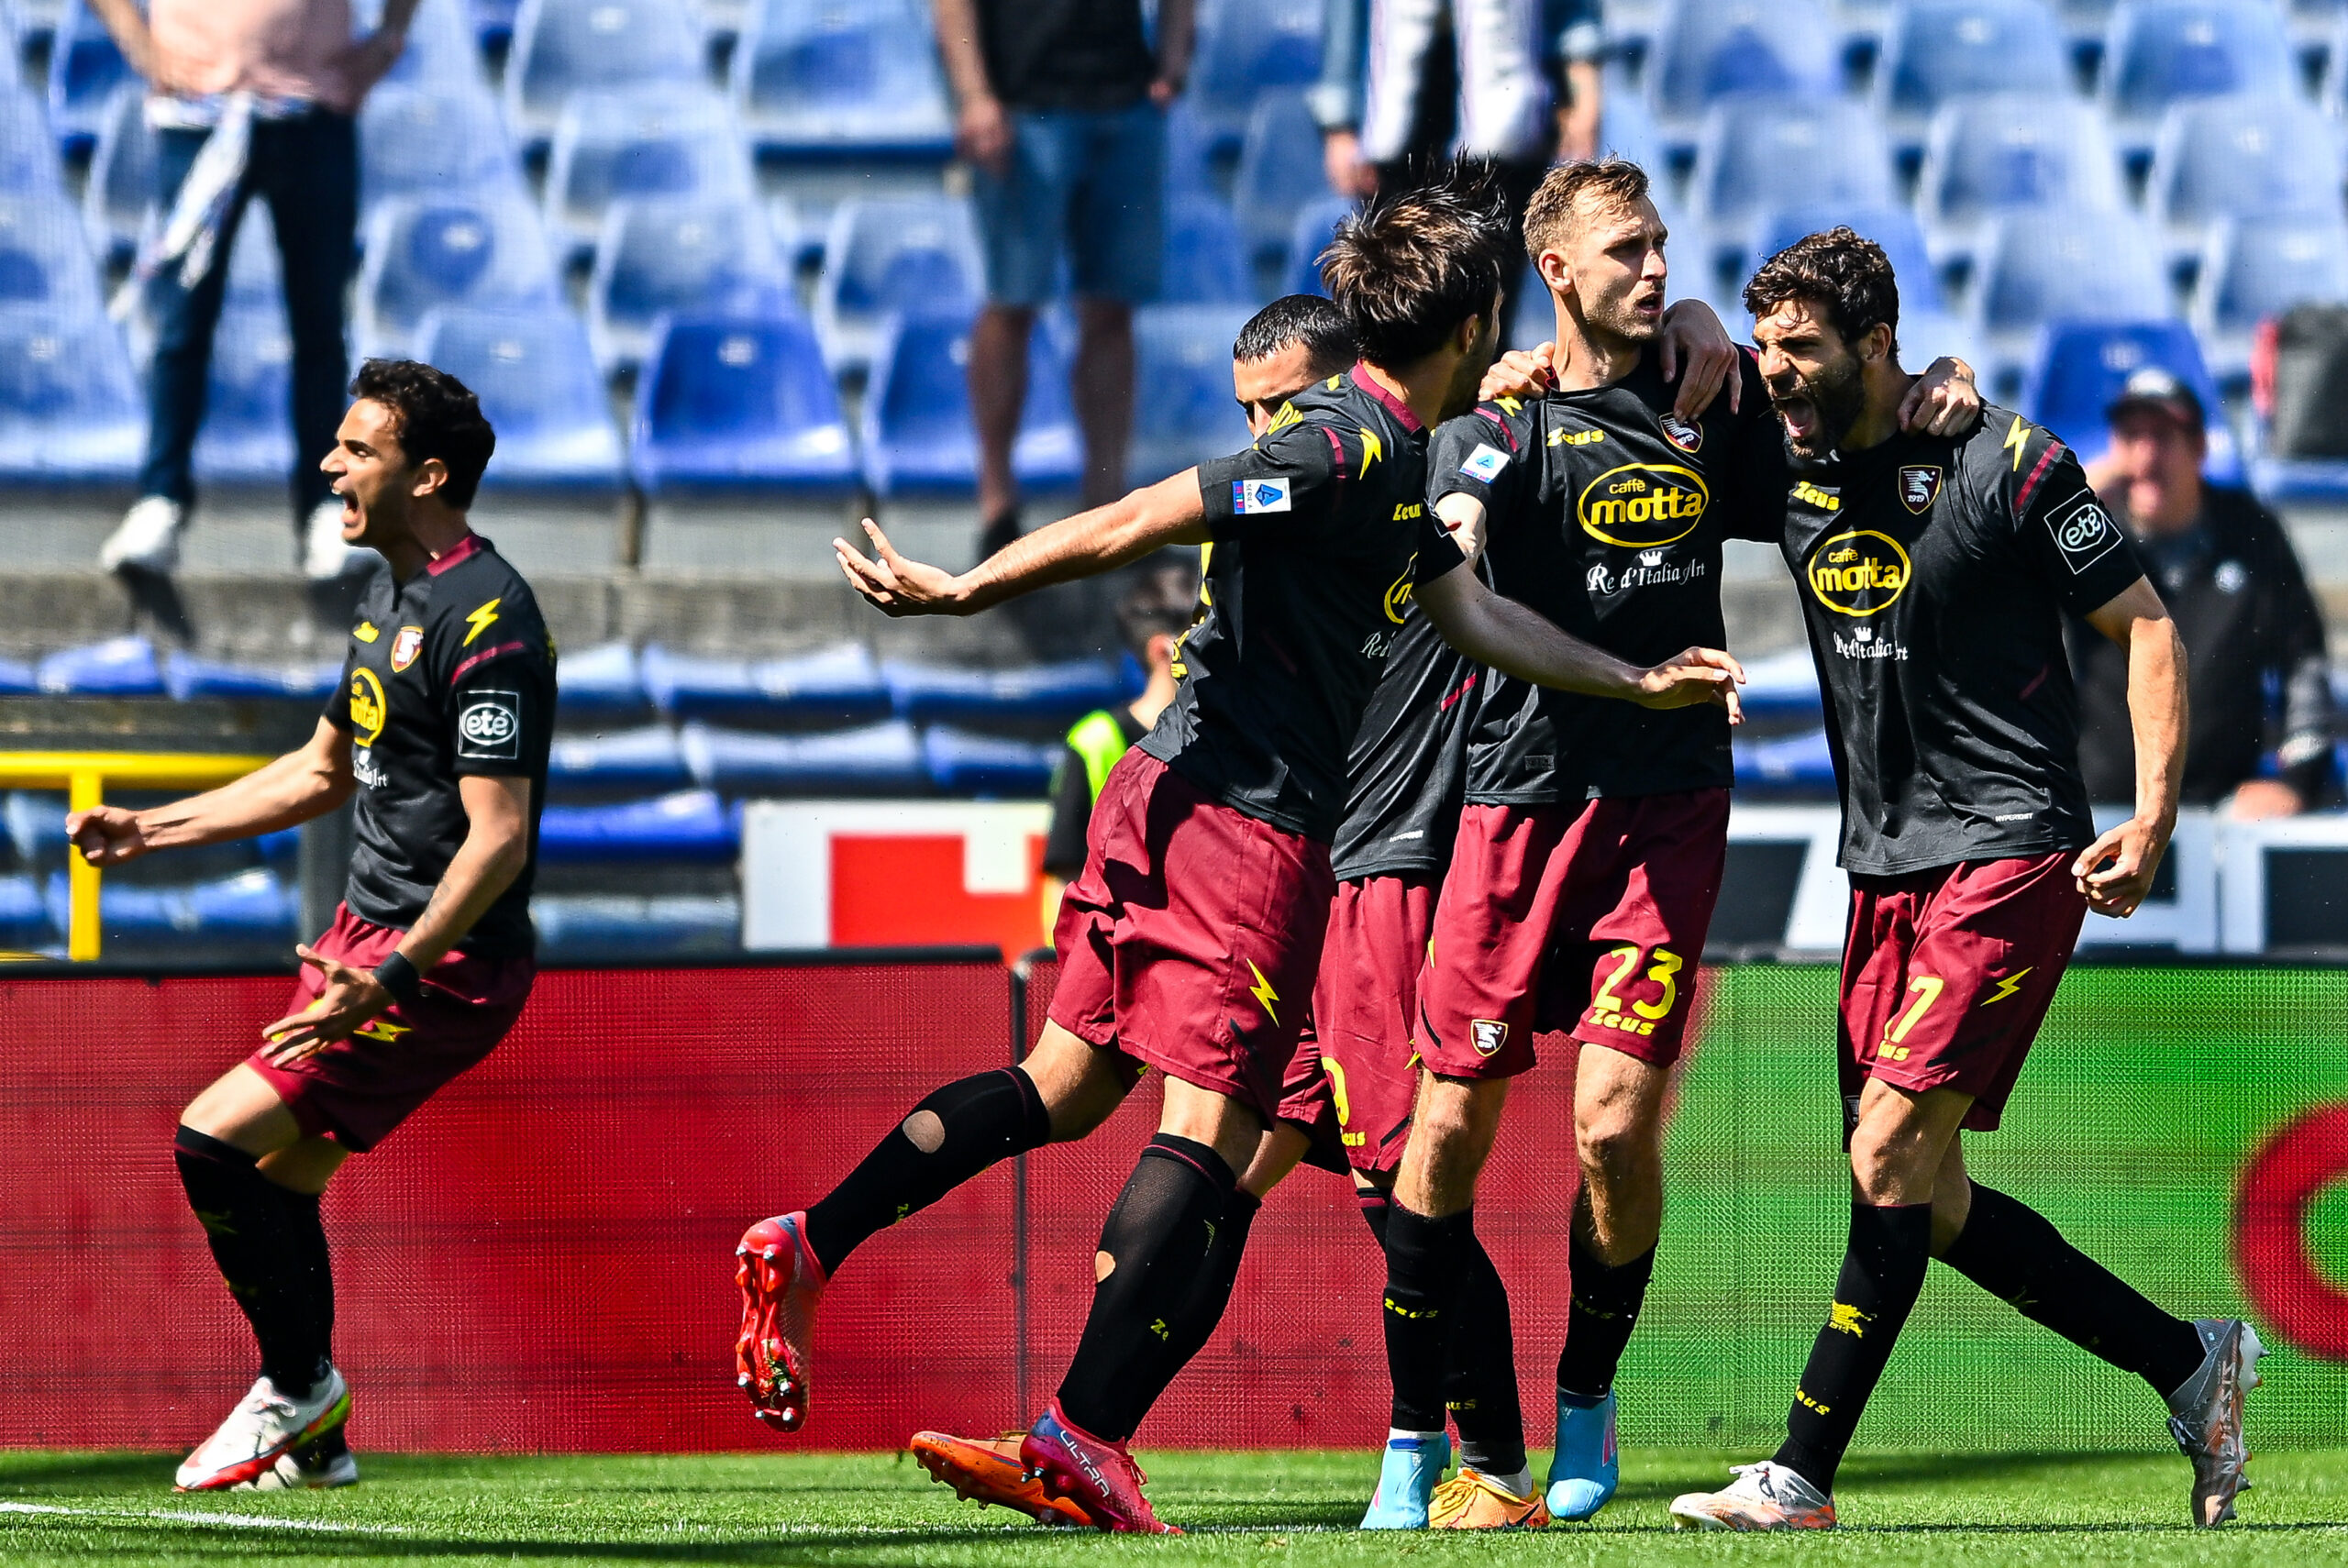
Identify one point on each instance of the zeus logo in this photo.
(2006, 987)
(1262, 991)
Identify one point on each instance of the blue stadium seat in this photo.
(2158, 52)
(1205, 263)
(1893, 228)
(248, 907)
(1708, 49)
(1939, 50)
(1797, 765)
(187, 678)
(961, 763)
(122, 180)
(601, 683)
(1192, 152)
(1182, 354)
(739, 404)
(835, 685)
(631, 760)
(425, 255)
(84, 69)
(693, 827)
(2082, 366)
(443, 50)
(1990, 154)
(1626, 123)
(690, 256)
(538, 385)
(493, 21)
(1316, 224)
(2251, 157)
(17, 679)
(640, 143)
(24, 918)
(432, 142)
(918, 438)
(69, 410)
(2253, 269)
(879, 759)
(45, 270)
(119, 667)
(1043, 694)
(1759, 151)
(246, 438)
(561, 47)
(1249, 47)
(889, 256)
(27, 150)
(1781, 685)
(35, 822)
(1280, 174)
(819, 79)
(2043, 264)
(613, 929)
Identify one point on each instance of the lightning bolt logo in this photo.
(1262, 990)
(479, 621)
(382, 1028)
(1372, 449)
(2017, 433)
(2006, 987)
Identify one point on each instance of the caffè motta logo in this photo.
(1642, 505)
(1859, 573)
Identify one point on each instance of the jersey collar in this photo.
(1394, 405)
(467, 547)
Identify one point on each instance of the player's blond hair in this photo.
(1571, 194)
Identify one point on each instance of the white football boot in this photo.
(1767, 1496)
(264, 1427)
(146, 541)
(316, 1465)
(2206, 1416)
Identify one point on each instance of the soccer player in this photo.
(1190, 939)
(441, 724)
(1933, 575)
(1590, 848)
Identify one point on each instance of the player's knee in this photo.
(1614, 1143)
(1890, 1162)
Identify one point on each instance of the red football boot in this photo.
(989, 1470)
(1099, 1477)
(781, 1282)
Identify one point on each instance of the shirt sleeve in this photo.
(1071, 817)
(500, 665)
(337, 709)
(1287, 480)
(1485, 454)
(2063, 528)
(1761, 475)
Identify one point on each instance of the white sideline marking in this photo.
(191, 1516)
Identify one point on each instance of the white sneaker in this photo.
(262, 1428)
(2206, 1416)
(147, 539)
(325, 556)
(290, 1474)
(1765, 1496)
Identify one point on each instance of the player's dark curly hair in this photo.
(435, 415)
(1418, 261)
(1307, 319)
(1840, 271)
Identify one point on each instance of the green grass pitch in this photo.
(1264, 1511)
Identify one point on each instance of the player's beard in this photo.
(1834, 399)
(1621, 320)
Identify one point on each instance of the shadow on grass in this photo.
(38, 1469)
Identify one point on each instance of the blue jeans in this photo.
(308, 170)
(1090, 182)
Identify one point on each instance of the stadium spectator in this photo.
(285, 79)
(2253, 634)
(1152, 615)
(1060, 111)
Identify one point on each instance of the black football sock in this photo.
(1883, 1270)
(1205, 1306)
(1605, 1308)
(1425, 1262)
(1480, 1386)
(244, 1223)
(2014, 1253)
(312, 1272)
(957, 1132)
(1156, 1240)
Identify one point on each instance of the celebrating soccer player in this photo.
(1191, 940)
(1934, 574)
(1590, 849)
(441, 724)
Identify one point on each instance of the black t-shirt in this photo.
(1933, 573)
(450, 673)
(1409, 763)
(1066, 54)
(1064, 842)
(1605, 512)
(1320, 530)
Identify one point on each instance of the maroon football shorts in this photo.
(1363, 1007)
(1308, 1104)
(1948, 973)
(357, 1089)
(1584, 916)
(1189, 939)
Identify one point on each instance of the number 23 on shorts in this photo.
(1609, 1011)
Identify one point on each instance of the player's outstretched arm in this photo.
(1517, 641)
(2115, 872)
(496, 848)
(1168, 512)
(1943, 401)
(294, 789)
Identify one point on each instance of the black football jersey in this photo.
(1606, 513)
(1318, 530)
(1933, 574)
(451, 672)
(1409, 763)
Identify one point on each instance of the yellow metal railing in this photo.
(84, 776)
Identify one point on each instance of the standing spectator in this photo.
(1407, 82)
(292, 72)
(2254, 634)
(1061, 113)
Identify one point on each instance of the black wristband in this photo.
(397, 976)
